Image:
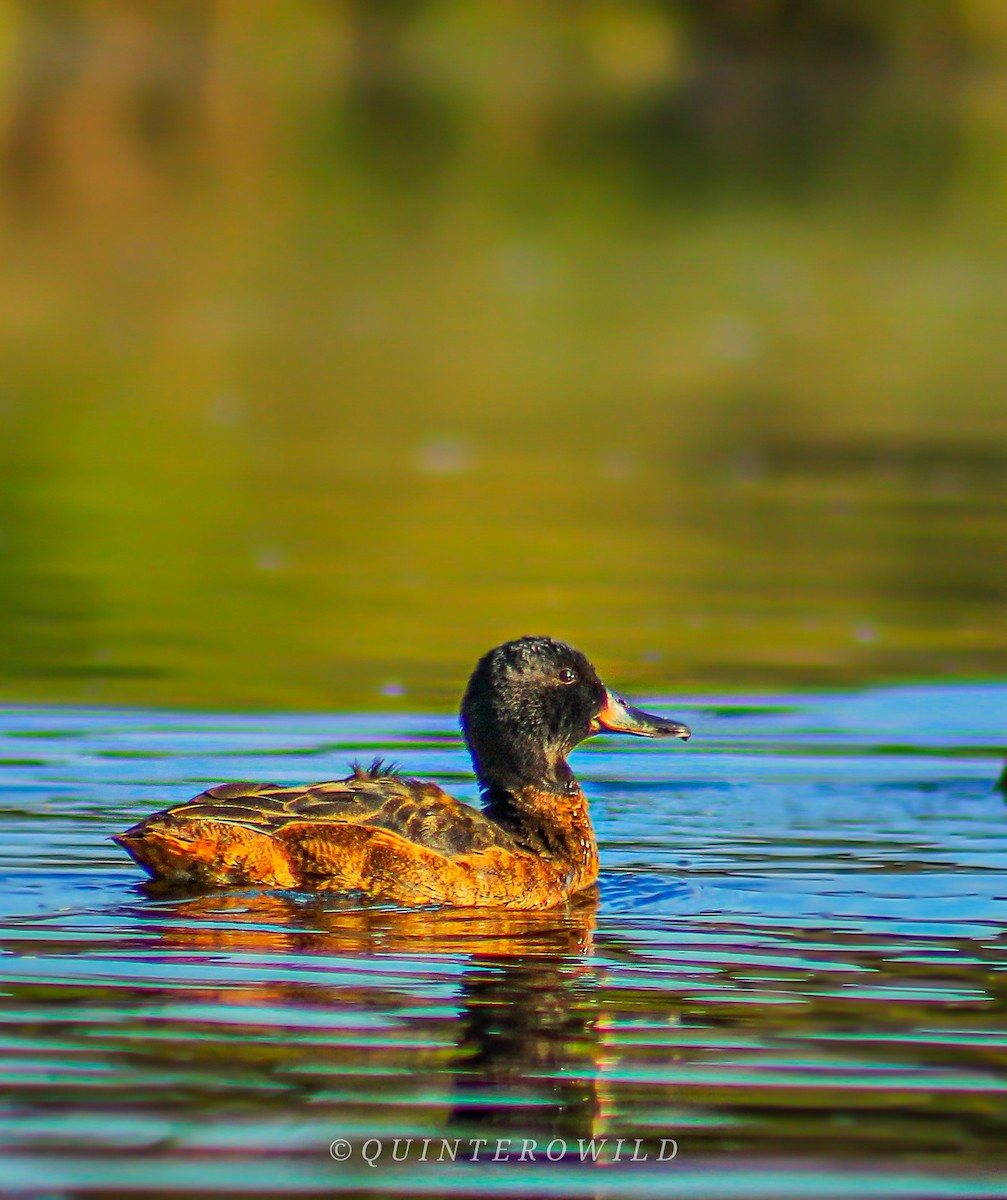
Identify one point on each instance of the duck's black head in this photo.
(530, 702)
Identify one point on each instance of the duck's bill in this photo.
(619, 717)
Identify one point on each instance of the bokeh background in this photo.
(343, 339)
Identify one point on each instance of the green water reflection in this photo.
(343, 341)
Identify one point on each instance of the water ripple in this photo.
(796, 970)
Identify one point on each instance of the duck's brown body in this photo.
(376, 833)
(379, 834)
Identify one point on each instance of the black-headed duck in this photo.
(400, 840)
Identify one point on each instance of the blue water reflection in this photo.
(796, 965)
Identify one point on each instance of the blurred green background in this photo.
(343, 339)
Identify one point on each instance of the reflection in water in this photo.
(525, 1043)
(530, 1027)
(341, 343)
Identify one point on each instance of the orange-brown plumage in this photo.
(401, 840)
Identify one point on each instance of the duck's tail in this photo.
(206, 853)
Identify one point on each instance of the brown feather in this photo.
(390, 838)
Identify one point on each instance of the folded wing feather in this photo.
(416, 811)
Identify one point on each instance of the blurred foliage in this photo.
(345, 338)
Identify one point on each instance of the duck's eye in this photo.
(567, 676)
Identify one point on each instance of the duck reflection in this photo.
(525, 1040)
(530, 1034)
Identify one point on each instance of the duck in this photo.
(386, 837)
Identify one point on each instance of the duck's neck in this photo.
(549, 818)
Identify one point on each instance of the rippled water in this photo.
(795, 971)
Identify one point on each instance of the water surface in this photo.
(344, 341)
(795, 969)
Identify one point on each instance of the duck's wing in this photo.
(417, 811)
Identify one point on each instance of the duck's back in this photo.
(376, 832)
